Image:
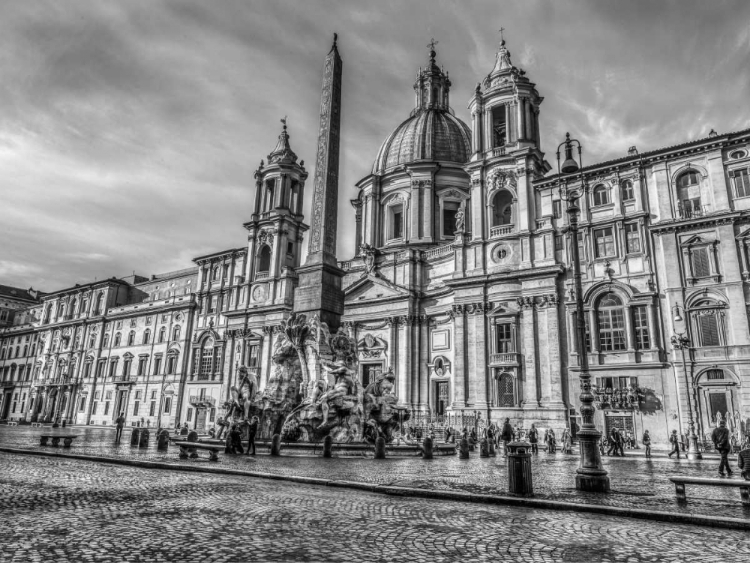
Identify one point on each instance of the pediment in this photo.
(504, 309)
(744, 234)
(371, 287)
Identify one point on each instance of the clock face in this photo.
(259, 293)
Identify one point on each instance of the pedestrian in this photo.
(473, 436)
(720, 438)
(235, 441)
(567, 442)
(506, 435)
(647, 442)
(119, 423)
(675, 441)
(251, 430)
(612, 442)
(534, 439)
(551, 442)
(620, 442)
(743, 462)
(447, 435)
(491, 433)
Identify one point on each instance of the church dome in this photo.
(429, 134)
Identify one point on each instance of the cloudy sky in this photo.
(130, 130)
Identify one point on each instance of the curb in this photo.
(694, 519)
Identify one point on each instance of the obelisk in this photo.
(319, 291)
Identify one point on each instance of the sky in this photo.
(130, 130)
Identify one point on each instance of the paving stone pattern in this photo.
(636, 482)
(56, 509)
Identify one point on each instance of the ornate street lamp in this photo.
(681, 341)
(591, 475)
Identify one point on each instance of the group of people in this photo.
(503, 435)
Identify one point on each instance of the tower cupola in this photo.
(432, 87)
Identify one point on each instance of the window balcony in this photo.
(692, 211)
(509, 359)
(261, 275)
(501, 230)
(199, 401)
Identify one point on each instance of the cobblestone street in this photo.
(65, 510)
(636, 482)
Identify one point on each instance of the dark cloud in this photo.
(129, 131)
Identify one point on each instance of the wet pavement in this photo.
(635, 481)
(58, 509)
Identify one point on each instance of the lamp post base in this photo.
(592, 483)
(693, 451)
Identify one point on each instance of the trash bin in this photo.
(519, 469)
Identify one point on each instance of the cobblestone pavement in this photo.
(54, 509)
(636, 482)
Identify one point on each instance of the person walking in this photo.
(567, 443)
(720, 438)
(551, 442)
(675, 441)
(612, 442)
(119, 423)
(647, 443)
(251, 431)
(506, 435)
(620, 443)
(534, 439)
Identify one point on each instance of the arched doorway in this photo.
(505, 395)
(718, 397)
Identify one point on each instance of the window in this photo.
(126, 367)
(557, 208)
(611, 319)
(605, 242)
(632, 238)
(601, 195)
(118, 337)
(214, 304)
(100, 368)
(147, 337)
(189, 415)
(176, 333)
(152, 408)
(142, 366)
(701, 264)
(558, 242)
(502, 208)
(131, 338)
(498, 126)
(627, 191)
(737, 154)
(93, 408)
(106, 408)
(581, 248)
(105, 341)
(136, 404)
(167, 405)
(215, 274)
(640, 324)
(397, 222)
(153, 394)
(688, 193)
(708, 326)
(207, 357)
(504, 339)
(162, 334)
(157, 365)
(689, 178)
(715, 374)
(264, 260)
(290, 248)
(742, 183)
(450, 208)
(82, 404)
(87, 369)
(171, 364)
(112, 368)
(212, 415)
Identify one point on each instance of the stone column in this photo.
(479, 347)
(529, 129)
(519, 119)
(553, 352)
(473, 367)
(629, 329)
(424, 358)
(508, 130)
(593, 331)
(475, 132)
(544, 338)
(530, 400)
(404, 360)
(459, 372)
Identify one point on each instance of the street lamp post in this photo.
(680, 340)
(591, 475)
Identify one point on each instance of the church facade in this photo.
(459, 280)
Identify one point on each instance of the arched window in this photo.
(628, 194)
(611, 317)
(505, 395)
(502, 208)
(708, 323)
(118, 338)
(131, 338)
(601, 195)
(147, 336)
(207, 356)
(105, 341)
(162, 334)
(689, 194)
(176, 333)
(264, 261)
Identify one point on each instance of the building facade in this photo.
(460, 281)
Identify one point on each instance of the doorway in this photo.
(370, 372)
(6, 406)
(441, 397)
(200, 419)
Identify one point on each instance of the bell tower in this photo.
(277, 227)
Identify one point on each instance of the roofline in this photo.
(718, 139)
(89, 285)
(220, 253)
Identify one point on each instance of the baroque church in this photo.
(459, 281)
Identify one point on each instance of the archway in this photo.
(502, 208)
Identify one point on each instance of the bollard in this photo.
(519, 469)
(463, 451)
(327, 445)
(380, 448)
(493, 453)
(162, 439)
(427, 448)
(484, 449)
(143, 441)
(276, 445)
(134, 437)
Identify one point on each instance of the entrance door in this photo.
(441, 393)
(623, 423)
(121, 403)
(6, 406)
(200, 420)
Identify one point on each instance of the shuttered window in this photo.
(701, 267)
(709, 327)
